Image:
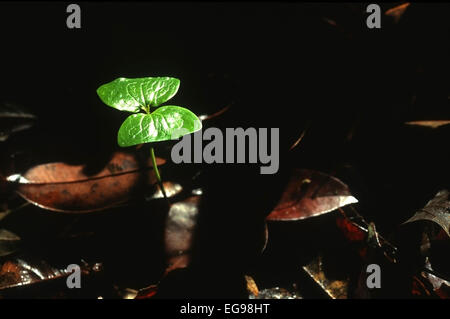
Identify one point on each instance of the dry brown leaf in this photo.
(310, 193)
(65, 188)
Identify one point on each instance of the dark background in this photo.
(278, 65)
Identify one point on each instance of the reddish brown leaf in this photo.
(65, 188)
(310, 193)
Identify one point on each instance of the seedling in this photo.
(138, 96)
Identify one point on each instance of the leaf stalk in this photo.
(158, 177)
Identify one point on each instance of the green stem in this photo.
(158, 177)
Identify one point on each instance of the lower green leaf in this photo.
(165, 123)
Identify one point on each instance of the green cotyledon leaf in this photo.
(140, 93)
(165, 123)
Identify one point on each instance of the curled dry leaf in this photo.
(436, 210)
(310, 193)
(66, 188)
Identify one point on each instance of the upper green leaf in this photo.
(133, 94)
(166, 123)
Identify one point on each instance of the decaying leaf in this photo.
(310, 193)
(436, 210)
(397, 12)
(9, 242)
(66, 188)
(430, 124)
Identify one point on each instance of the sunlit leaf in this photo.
(134, 94)
(166, 123)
